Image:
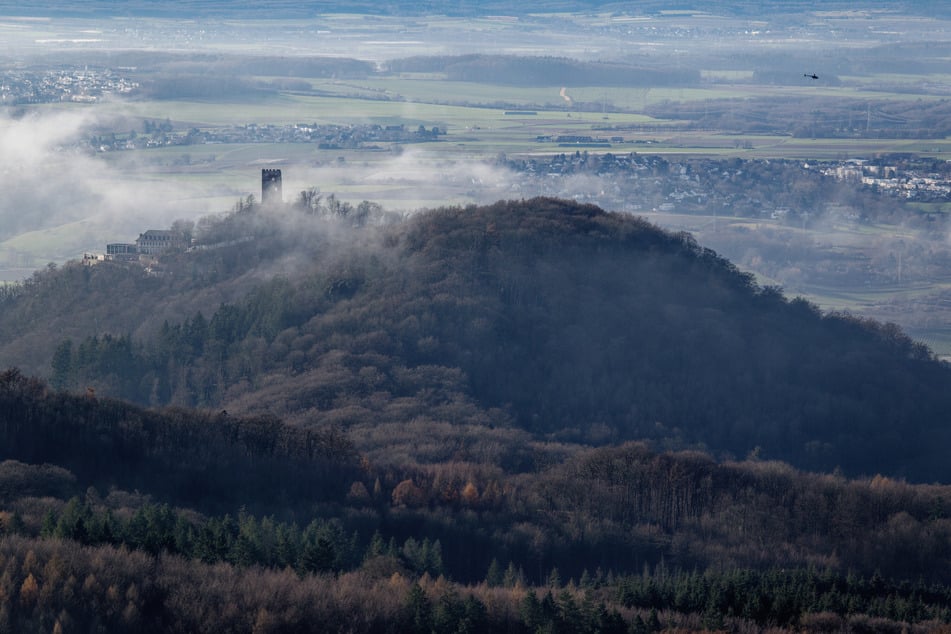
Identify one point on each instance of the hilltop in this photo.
(473, 325)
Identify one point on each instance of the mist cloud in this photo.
(79, 199)
(409, 181)
(52, 181)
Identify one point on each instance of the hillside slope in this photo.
(467, 327)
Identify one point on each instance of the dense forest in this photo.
(617, 539)
(528, 416)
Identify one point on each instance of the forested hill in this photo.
(448, 335)
(209, 461)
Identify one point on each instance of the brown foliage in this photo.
(406, 493)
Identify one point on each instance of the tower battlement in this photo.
(271, 188)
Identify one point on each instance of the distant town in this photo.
(636, 182)
(325, 136)
(77, 85)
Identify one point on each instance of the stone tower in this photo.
(271, 191)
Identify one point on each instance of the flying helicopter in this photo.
(811, 76)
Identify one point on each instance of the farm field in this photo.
(500, 129)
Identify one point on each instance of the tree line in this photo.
(189, 457)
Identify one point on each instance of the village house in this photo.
(152, 242)
(157, 241)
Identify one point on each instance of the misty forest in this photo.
(575, 317)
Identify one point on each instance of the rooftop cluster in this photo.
(22, 87)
